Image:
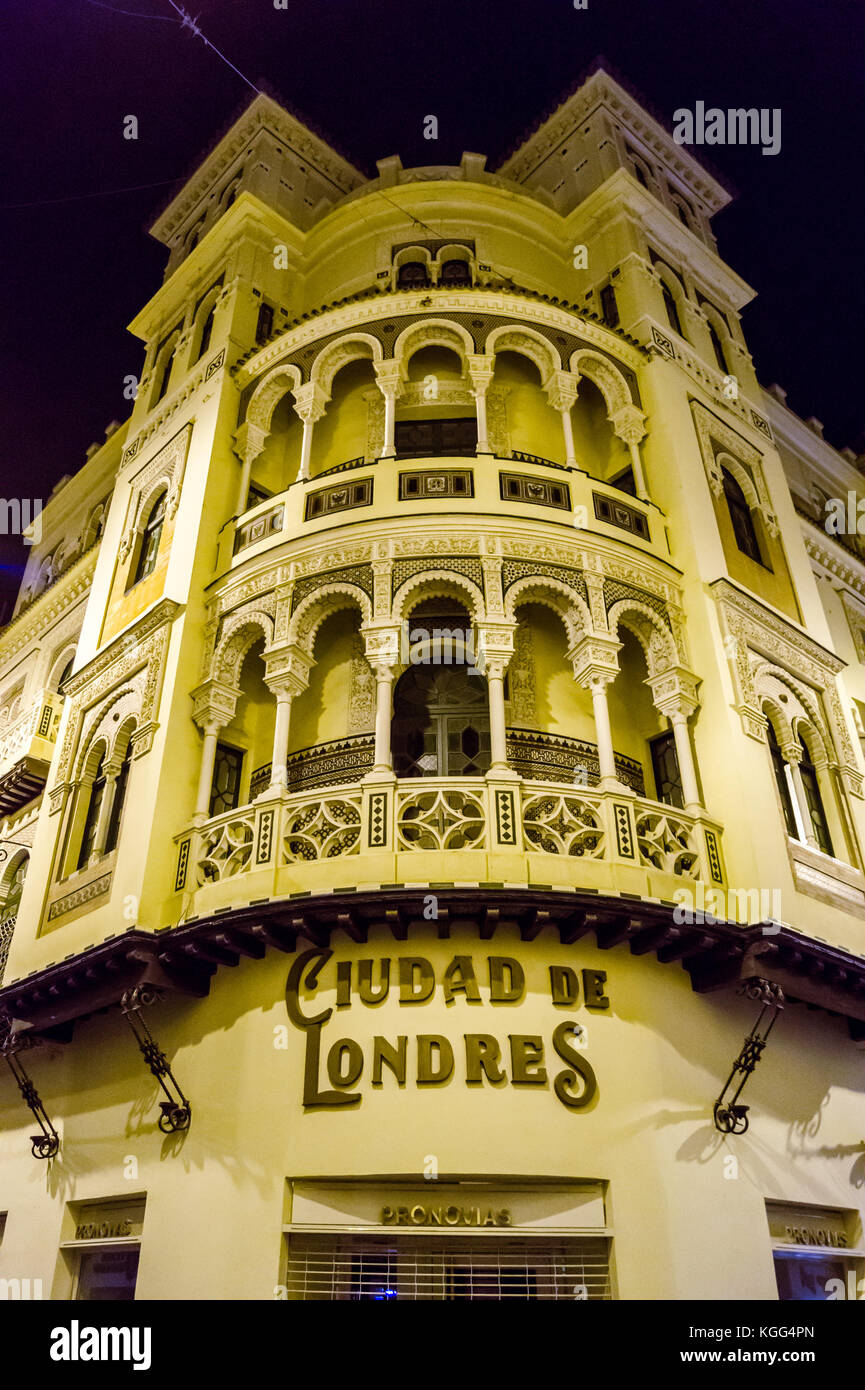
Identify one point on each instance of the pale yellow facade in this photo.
(517, 408)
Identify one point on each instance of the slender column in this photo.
(480, 369)
(388, 379)
(498, 735)
(243, 486)
(685, 757)
(305, 449)
(205, 779)
(801, 801)
(309, 405)
(629, 425)
(105, 809)
(250, 440)
(606, 760)
(483, 446)
(278, 770)
(568, 429)
(383, 761)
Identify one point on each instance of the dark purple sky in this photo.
(366, 73)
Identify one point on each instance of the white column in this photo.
(104, 815)
(305, 448)
(278, 771)
(603, 732)
(205, 779)
(568, 429)
(685, 758)
(243, 487)
(637, 469)
(498, 734)
(389, 450)
(483, 446)
(802, 802)
(384, 680)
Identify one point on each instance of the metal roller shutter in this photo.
(415, 1267)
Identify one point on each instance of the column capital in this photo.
(595, 660)
(310, 401)
(388, 375)
(629, 424)
(214, 703)
(480, 369)
(249, 441)
(674, 692)
(495, 647)
(561, 388)
(382, 645)
(286, 668)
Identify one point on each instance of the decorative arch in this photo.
(239, 634)
(528, 342)
(269, 392)
(104, 726)
(767, 677)
(349, 348)
(61, 659)
(777, 717)
(412, 253)
(433, 333)
(438, 584)
(316, 608)
(605, 375)
(743, 478)
(573, 613)
(648, 628)
(91, 757)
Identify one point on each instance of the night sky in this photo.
(79, 264)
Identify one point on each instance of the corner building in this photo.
(431, 746)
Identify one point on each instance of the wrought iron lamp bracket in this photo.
(730, 1117)
(176, 1110)
(46, 1144)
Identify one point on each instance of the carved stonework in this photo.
(165, 469)
(717, 439)
(361, 697)
(521, 678)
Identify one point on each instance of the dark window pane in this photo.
(107, 1276)
(803, 1279)
(420, 438)
(718, 348)
(672, 310)
(819, 823)
(609, 307)
(225, 791)
(740, 516)
(455, 273)
(91, 820)
(778, 766)
(412, 275)
(117, 804)
(665, 764)
(151, 536)
(264, 326)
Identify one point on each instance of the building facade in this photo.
(431, 759)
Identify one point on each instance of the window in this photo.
(264, 326)
(672, 309)
(150, 538)
(16, 888)
(455, 273)
(117, 804)
(718, 348)
(65, 673)
(624, 482)
(665, 765)
(206, 331)
(106, 1276)
(779, 767)
(412, 275)
(740, 516)
(91, 820)
(164, 377)
(819, 824)
(419, 438)
(225, 791)
(609, 307)
(255, 495)
(441, 724)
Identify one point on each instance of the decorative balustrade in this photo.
(559, 758)
(586, 827)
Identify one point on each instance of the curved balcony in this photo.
(436, 830)
(519, 486)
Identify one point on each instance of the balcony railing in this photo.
(583, 829)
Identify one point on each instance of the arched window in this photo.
(779, 767)
(164, 377)
(16, 888)
(819, 823)
(150, 538)
(718, 348)
(412, 275)
(455, 273)
(119, 798)
(206, 331)
(65, 673)
(91, 819)
(740, 516)
(672, 309)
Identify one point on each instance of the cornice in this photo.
(833, 559)
(263, 113)
(183, 959)
(44, 611)
(798, 640)
(163, 612)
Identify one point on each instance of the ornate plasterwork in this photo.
(142, 648)
(750, 628)
(854, 610)
(164, 472)
(719, 444)
(361, 695)
(521, 678)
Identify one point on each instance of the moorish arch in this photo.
(269, 392)
(317, 607)
(607, 377)
(434, 583)
(650, 631)
(238, 636)
(572, 611)
(526, 342)
(438, 332)
(352, 347)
